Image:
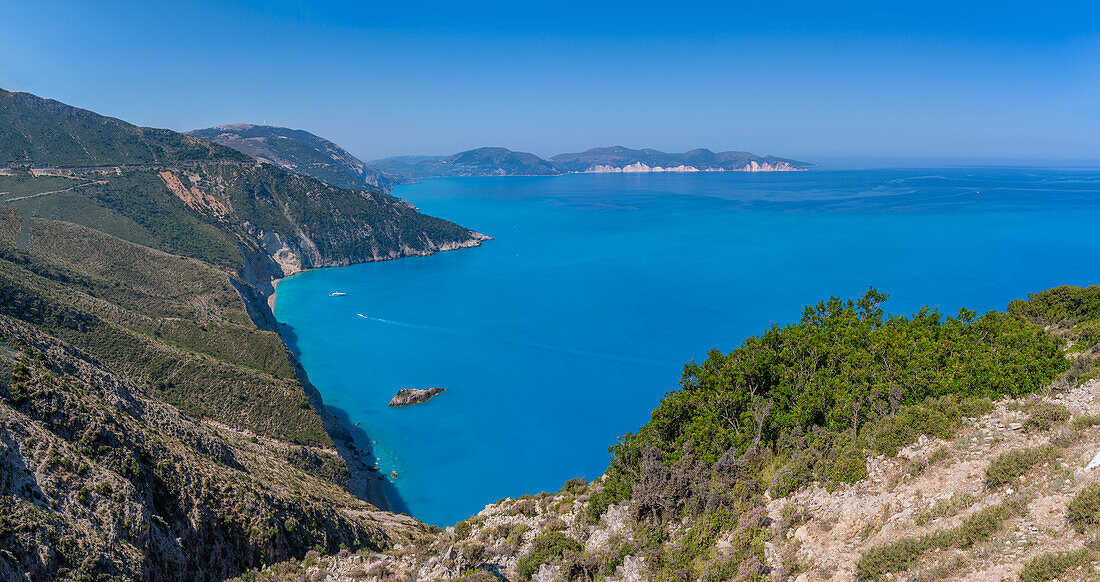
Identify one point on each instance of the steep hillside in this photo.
(100, 482)
(848, 446)
(1011, 496)
(186, 196)
(300, 152)
(154, 425)
(44, 132)
(479, 162)
(177, 326)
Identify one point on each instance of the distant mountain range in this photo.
(479, 162)
(305, 153)
(620, 159)
(300, 152)
(505, 162)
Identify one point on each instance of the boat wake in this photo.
(599, 355)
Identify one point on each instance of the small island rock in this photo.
(407, 396)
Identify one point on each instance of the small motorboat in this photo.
(337, 294)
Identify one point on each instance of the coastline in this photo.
(274, 292)
(352, 443)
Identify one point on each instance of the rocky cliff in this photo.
(187, 196)
(100, 481)
(1013, 495)
(153, 425)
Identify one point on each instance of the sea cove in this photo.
(565, 331)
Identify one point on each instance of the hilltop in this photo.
(43, 132)
(184, 195)
(299, 151)
(504, 162)
(491, 161)
(153, 424)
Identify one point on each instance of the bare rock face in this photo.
(408, 396)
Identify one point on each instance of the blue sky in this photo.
(999, 81)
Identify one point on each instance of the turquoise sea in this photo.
(565, 331)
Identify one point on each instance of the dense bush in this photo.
(1084, 510)
(843, 364)
(1051, 565)
(1006, 467)
(1067, 303)
(1044, 415)
(879, 561)
(815, 394)
(1072, 313)
(545, 549)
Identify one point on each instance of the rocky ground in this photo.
(935, 485)
(930, 487)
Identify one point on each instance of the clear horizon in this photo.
(959, 83)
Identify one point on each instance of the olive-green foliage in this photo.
(936, 417)
(1084, 510)
(545, 549)
(1008, 466)
(575, 486)
(174, 324)
(1072, 313)
(843, 364)
(1045, 415)
(478, 576)
(1067, 303)
(876, 562)
(44, 132)
(845, 378)
(1051, 565)
(1086, 420)
(26, 185)
(76, 208)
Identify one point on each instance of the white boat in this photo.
(337, 294)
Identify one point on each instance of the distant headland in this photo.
(305, 153)
(495, 161)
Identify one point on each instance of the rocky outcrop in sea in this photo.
(409, 396)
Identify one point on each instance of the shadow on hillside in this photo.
(363, 443)
(359, 437)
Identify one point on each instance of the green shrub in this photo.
(575, 486)
(546, 549)
(935, 417)
(1086, 420)
(876, 562)
(845, 367)
(1051, 565)
(527, 506)
(1008, 466)
(1067, 303)
(1084, 510)
(1044, 415)
(464, 527)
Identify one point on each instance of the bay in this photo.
(566, 330)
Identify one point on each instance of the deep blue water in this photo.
(566, 330)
